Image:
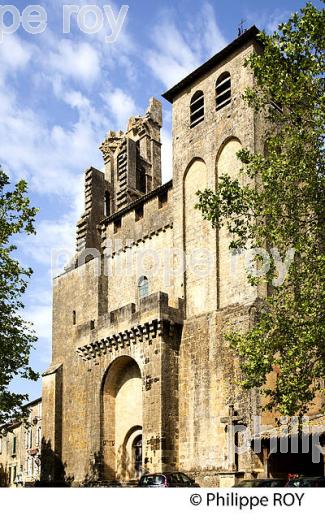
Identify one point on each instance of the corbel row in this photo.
(121, 340)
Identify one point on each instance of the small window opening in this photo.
(117, 225)
(14, 445)
(143, 287)
(223, 90)
(92, 324)
(163, 200)
(141, 180)
(197, 108)
(74, 317)
(139, 213)
(107, 204)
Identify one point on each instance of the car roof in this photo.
(165, 474)
(309, 478)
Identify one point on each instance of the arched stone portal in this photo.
(121, 419)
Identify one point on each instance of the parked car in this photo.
(306, 482)
(266, 482)
(158, 480)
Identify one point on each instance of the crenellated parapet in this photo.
(129, 325)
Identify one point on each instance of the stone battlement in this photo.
(130, 323)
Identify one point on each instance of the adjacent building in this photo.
(20, 448)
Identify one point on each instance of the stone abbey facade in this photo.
(141, 377)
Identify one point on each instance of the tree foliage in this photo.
(283, 205)
(16, 336)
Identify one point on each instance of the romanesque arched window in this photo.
(143, 287)
(197, 108)
(223, 90)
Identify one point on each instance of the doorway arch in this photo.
(137, 455)
(122, 411)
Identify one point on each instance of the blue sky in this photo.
(61, 93)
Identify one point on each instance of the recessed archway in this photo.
(121, 418)
(195, 239)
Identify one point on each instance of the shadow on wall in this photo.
(95, 476)
(124, 469)
(53, 470)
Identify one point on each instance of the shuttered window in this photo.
(197, 108)
(223, 90)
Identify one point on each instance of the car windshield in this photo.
(153, 480)
(185, 478)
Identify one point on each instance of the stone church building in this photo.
(141, 377)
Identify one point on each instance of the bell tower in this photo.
(133, 158)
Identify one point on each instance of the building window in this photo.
(197, 108)
(14, 445)
(0, 445)
(117, 225)
(74, 317)
(30, 443)
(139, 213)
(223, 90)
(163, 200)
(143, 287)
(38, 436)
(107, 204)
(92, 324)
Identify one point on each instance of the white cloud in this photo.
(214, 41)
(175, 54)
(14, 53)
(120, 105)
(268, 21)
(53, 238)
(172, 58)
(41, 318)
(50, 158)
(79, 61)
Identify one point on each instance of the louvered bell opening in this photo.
(223, 92)
(197, 110)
